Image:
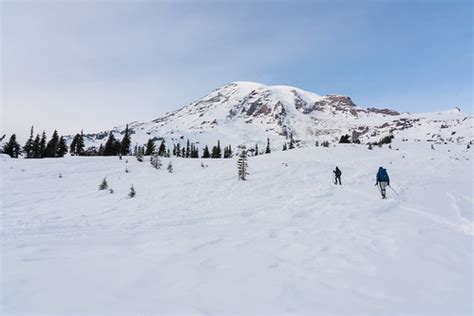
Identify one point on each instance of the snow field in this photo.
(199, 241)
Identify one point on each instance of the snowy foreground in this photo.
(200, 241)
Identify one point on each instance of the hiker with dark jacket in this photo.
(337, 175)
(383, 181)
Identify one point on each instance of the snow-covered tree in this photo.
(242, 163)
(170, 167)
(205, 152)
(156, 161)
(268, 150)
(292, 142)
(12, 148)
(62, 147)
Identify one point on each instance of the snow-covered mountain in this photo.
(249, 113)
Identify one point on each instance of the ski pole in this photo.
(393, 190)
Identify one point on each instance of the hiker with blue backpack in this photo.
(383, 181)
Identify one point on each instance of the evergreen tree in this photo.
(132, 192)
(150, 147)
(52, 146)
(139, 154)
(156, 161)
(126, 141)
(194, 151)
(242, 164)
(28, 149)
(35, 149)
(183, 153)
(256, 149)
(370, 146)
(216, 150)
(268, 150)
(72, 147)
(80, 144)
(205, 152)
(284, 147)
(42, 145)
(188, 149)
(110, 145)
(292, 142)
(103, 185)
(62, 147)
(228, 152)
(162, 149)
(12, 148)
(170, 167)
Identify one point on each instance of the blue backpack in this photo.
(382, 175)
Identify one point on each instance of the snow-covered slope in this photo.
(249, 113)
(198, 241)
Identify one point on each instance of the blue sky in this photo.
(95, 64)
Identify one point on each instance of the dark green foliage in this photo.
(194, 152)
(385, 140)
(72, 147)
(188, 149)
(36, 147)
(42, 145)
(126, 141)
(344, 139)
(51, 148)
(12, 148)
(28, 148)
(325, 143)
(216, 151)
(284, 147)
(80, 144)
(150, 147)
(62, 147)
(112, 146)
(268, 150)
(162, 149)
(205, 153)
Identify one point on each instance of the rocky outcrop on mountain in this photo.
(249, 113)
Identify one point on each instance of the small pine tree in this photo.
(242, 164)
(170, 167)
(284, 147)
(132, 192)
(317, 144)
(370, 146)
(256, 150)
(268, 150)
(103, 185)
